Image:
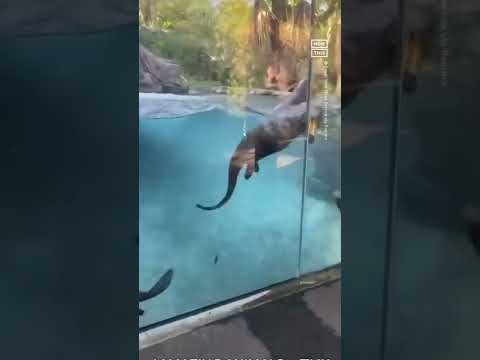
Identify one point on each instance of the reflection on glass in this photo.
(223, 118)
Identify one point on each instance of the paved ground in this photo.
(305, 325)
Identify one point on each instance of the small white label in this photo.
(319, 48)
(319, 53)
(319, 44)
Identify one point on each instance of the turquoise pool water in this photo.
(250, 243)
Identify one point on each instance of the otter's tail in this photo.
(159, 287)
(233, 172)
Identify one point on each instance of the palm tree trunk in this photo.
(147, 9)
(255, 31)
(279, 10)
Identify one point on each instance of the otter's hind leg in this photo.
(250, 170)
(252, 166)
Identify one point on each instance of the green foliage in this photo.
(184, 48)
(234, 47)
(182, 30)
(211, 43)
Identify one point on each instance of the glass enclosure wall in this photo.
(321, 226)
(223, 123)
(434, 265)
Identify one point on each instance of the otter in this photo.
(159, 287)
(286, 122)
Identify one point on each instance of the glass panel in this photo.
(321, 225)
(434, 293)
(230, 62)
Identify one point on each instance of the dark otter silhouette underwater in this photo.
(159, 287)
(287, 122)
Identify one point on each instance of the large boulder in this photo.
(159, 75)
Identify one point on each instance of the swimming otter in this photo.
(287, 121)
(159, 287)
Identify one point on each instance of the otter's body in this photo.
(287, 122)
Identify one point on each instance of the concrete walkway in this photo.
(302, 326)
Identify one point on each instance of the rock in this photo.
(159, 75)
